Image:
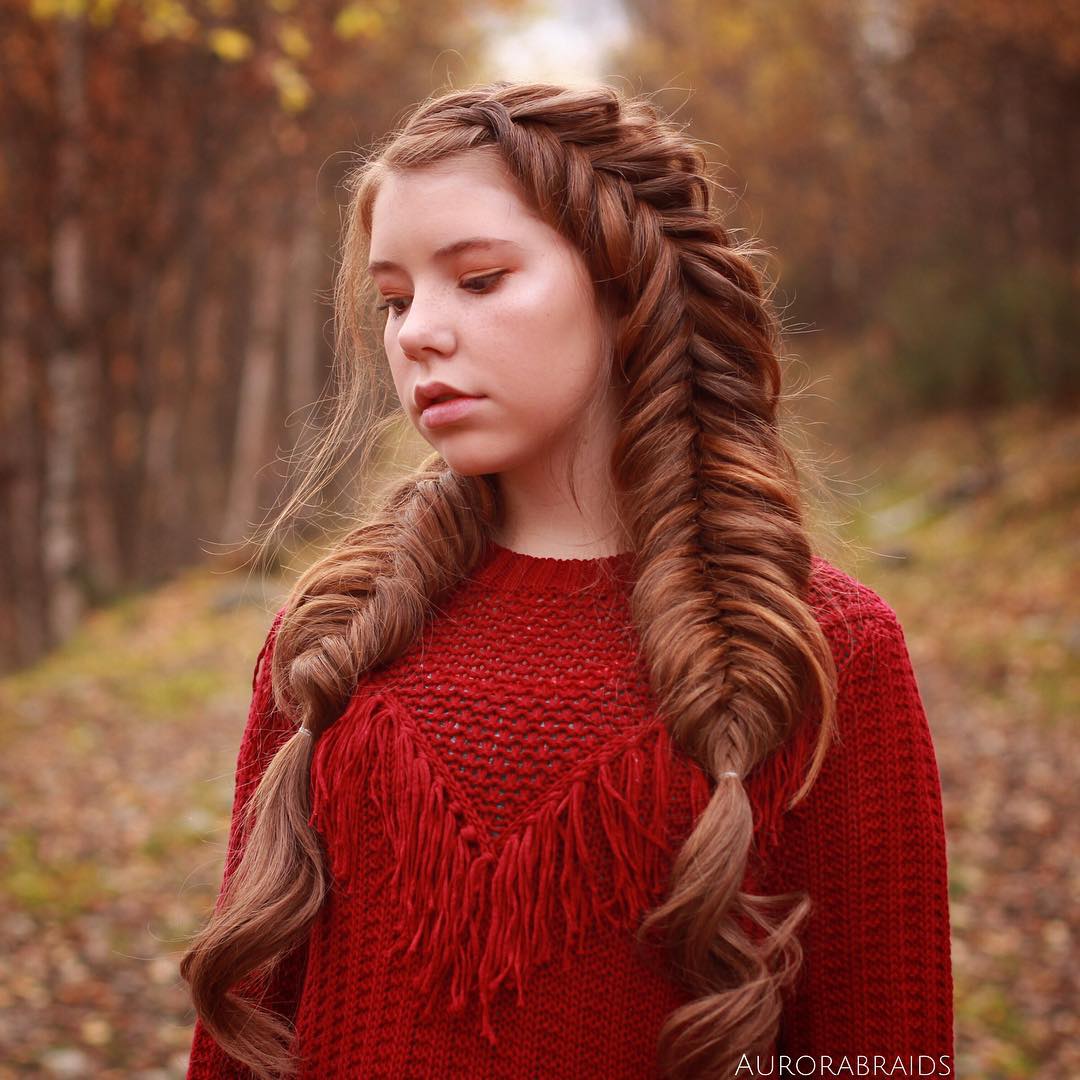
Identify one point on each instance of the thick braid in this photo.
(710, 504)
(677, 450)
(696, 463)
(428, 534)
(359, 606)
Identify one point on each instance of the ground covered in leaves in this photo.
(119, 750)
(117, 785)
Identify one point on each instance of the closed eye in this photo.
(486, 283)
(389, 304)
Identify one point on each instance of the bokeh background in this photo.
(170, 198)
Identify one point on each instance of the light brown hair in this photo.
(706, 488)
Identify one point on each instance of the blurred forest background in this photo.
(170, 183)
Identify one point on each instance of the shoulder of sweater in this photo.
(879, 703)
(880, 718)
(851, 614)
(837, 597)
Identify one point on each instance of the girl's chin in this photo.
(464, 461)
(476, 452)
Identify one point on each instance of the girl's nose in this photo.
(425, 328)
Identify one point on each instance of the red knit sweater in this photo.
(500, 805)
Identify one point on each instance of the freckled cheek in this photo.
(529, 315)
(552, 327)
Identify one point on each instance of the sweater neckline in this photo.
(504, 568)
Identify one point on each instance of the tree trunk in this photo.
(161, 514)
(62, 546)
(207, 465)
(257, 384)
(23, 628)
(103, 558)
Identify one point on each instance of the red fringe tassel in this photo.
(481, 909)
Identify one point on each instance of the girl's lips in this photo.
(446, 412)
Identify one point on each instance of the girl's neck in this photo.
(560, 550)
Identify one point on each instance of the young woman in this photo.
(574, 759)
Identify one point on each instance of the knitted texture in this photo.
(501, 805)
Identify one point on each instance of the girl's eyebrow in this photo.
(458, 246)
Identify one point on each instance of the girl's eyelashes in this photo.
(486, 281)
(388, 305)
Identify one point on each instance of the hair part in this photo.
(709, 496)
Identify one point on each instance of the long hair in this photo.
(711, 500)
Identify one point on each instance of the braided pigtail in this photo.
(358, 607)
(710, 497)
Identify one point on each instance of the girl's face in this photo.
(483, 296)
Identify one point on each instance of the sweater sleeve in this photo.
(868, 845)
(266, 730)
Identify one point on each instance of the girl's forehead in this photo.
(430, 215)
(426, 196)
